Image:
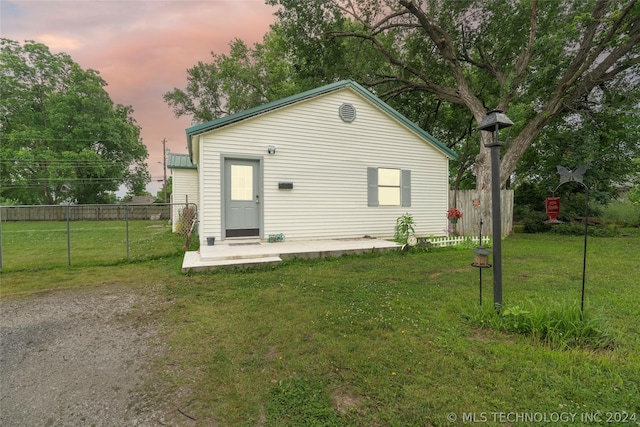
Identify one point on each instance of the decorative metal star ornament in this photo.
(566, 175)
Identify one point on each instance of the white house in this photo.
(332, 162)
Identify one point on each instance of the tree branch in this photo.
(445, 93)
(446, 48)
(522, 63)
(380, 26)
(581, 61)
(603, 71)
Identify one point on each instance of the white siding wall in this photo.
(184, 184)
(326, 159)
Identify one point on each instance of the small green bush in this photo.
(404, 228)
(534, 222)
(634, 195)
(577, 229)
(560, 325)
(622, 213)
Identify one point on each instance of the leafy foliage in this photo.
(63, 139)
(622, 213)
(245, 78)
(441, 68)
(634, 195)
(605, 137)
(558, 325)
(566, 74)
(404, 228)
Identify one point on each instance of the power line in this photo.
(62, 178)
(57, 162)
(44, 138)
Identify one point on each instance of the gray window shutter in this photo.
(406, 188)
(372, 187)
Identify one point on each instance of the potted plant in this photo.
(454, 215)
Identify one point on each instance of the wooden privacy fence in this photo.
(85, 212)
(476, 205)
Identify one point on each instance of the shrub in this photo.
(404, 228)
(623, 213)
(560, 325)
(634, 195)
(534, 223)
(577, 229)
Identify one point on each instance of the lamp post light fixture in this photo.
(493, 122)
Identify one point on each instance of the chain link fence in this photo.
(34, 237)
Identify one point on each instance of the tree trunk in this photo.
(483, 182)
(514, 150)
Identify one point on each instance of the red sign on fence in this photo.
(553, 208)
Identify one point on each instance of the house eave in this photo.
(195, 131)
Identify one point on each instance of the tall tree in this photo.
(62, 138)
(606, 137)
(540, 61)
(278, 67)
(246, 77)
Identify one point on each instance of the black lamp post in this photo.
(493, 122)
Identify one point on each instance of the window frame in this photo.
(373, 184)
(387, 182)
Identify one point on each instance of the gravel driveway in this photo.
(78, 357)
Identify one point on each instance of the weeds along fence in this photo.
(34, 237)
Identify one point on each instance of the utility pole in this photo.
(164, 166)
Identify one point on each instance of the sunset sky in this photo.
(142, 49)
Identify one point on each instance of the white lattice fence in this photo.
(456, 240)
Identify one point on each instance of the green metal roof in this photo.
(242, 115)
(180, 161)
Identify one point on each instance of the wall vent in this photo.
(347, 112)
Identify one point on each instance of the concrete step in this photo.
(253, 252)
(237, 250)
(193, 262)
(245, 261)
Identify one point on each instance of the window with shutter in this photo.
(388, 187)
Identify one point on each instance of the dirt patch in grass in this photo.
(79, 357)
(345, 402)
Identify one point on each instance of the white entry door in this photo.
(242, 197)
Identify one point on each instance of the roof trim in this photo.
(261, 109)
(180, 161)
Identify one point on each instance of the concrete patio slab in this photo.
(248, 253)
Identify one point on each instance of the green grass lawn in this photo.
(384, 339)
(44, 244)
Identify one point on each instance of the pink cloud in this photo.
(142, 49)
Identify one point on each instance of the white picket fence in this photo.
(440, 242)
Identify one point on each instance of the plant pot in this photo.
(211, 241)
